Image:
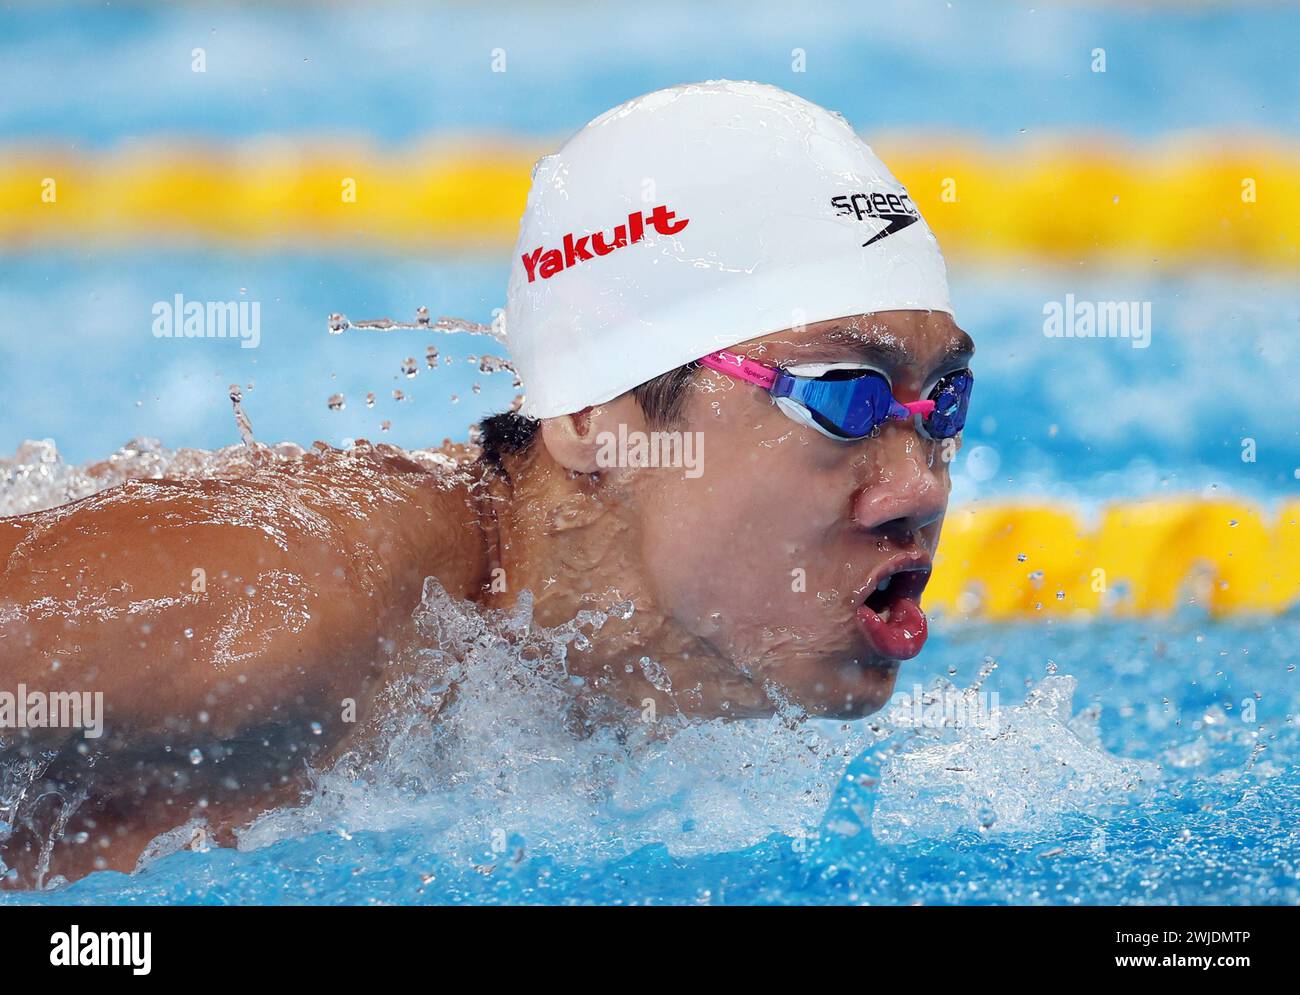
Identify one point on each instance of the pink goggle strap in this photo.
(740, 367)
(921, 408)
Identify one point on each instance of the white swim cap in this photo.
(695, 218)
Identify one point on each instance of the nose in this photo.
(904, 488)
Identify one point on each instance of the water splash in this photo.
(339, 323)
(410, 368)
(491, 737)
(241, 419)
(1035, 764)
(29, 803)
(36, 477)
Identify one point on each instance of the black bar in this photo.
(304, 944)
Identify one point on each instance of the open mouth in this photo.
(890, 616)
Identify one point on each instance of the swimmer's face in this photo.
(770, 551)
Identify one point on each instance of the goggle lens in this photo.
(951, 397)
(847, 403)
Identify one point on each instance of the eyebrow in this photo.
(889, 352)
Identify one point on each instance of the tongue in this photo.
(900, 635)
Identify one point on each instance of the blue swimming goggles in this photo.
(848, 402)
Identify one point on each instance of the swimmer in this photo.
(721, 263)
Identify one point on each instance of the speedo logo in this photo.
(546, 262)
(896, 210)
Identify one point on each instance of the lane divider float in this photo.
(1191, 199)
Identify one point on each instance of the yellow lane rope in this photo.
(1187, 200)
(1141, 558)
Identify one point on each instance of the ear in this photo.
(575, 441)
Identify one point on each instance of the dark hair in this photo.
(512, 434)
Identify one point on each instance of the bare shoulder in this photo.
(285, 575)
(378, 493)
(248, 618)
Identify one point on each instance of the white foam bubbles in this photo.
(1038, 762)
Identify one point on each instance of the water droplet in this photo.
(242, 423)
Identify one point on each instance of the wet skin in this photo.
(747, 581)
